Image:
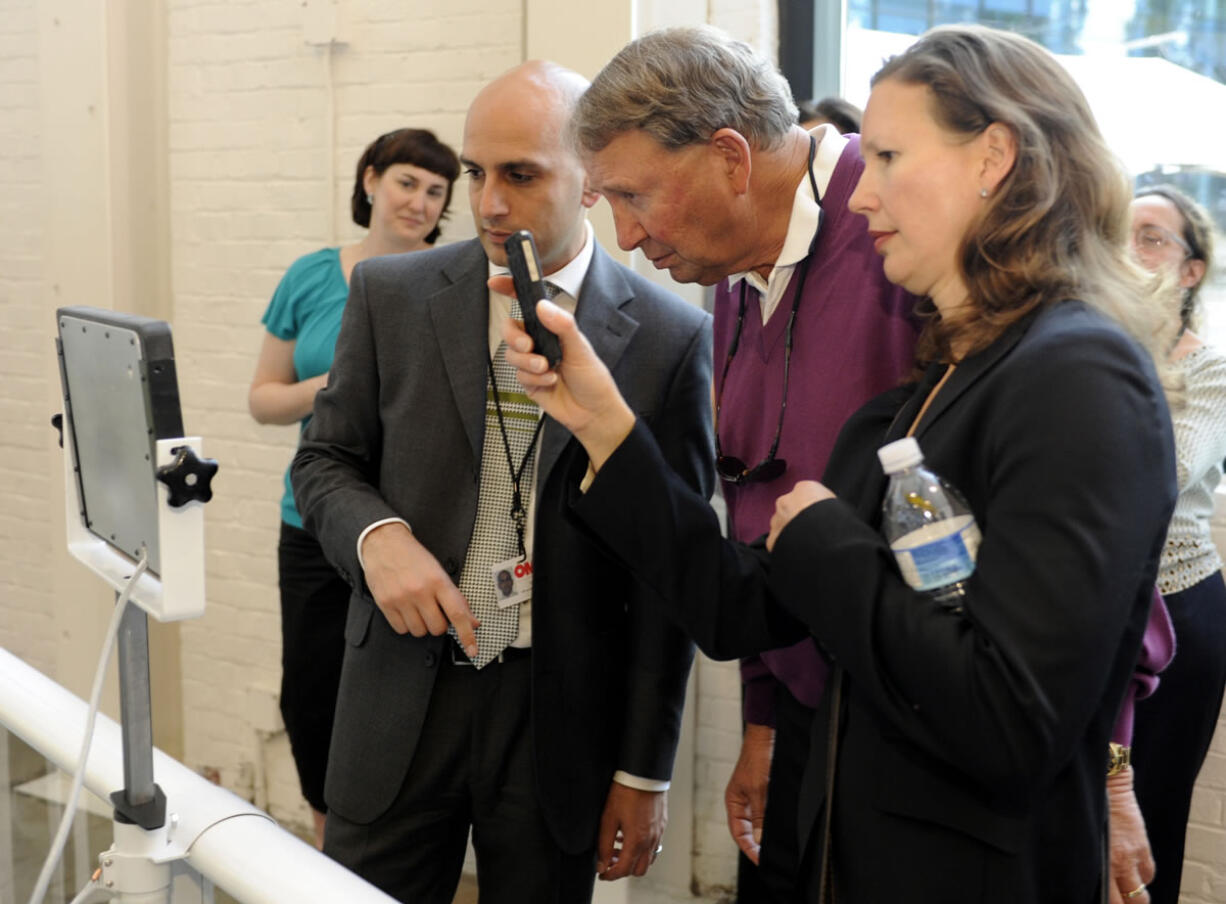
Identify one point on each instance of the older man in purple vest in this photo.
(713, 180)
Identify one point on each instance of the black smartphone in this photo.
(530, 288)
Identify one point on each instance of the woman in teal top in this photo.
(401, 191)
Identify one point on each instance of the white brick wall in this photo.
(249, 160)
(716, 748)
(756, 23)
(26, 393)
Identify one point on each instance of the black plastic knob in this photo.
(189, 477)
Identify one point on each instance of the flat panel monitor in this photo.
(121, 396)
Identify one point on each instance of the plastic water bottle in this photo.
(928, 525)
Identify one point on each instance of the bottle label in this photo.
(938, 554)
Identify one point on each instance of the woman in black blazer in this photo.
(959, 754)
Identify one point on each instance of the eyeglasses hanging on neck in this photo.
(730, 468)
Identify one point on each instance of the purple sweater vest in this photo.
(853, 338)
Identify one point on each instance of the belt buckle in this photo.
(458, 656)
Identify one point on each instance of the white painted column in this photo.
(105, 244)
(77, 270)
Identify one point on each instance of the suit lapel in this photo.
(968, 373)
(606, 326)
(965, 376)
(460, 316)
(906, 414)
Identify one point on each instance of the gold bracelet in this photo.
(1119, 758)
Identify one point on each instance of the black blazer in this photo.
(399, 431)
(971, 746)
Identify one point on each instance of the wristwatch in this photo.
(1119, 758)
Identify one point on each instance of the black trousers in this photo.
(314, 601)
(473, 768)
(1173, 728)
(776, 879)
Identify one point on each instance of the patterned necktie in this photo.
(494, 537)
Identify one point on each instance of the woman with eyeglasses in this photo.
(1173, 234)
(401, 191)
(959, 753)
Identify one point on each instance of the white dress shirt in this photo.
(802, 225)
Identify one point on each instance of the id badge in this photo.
(512, 581)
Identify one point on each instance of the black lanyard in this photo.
(787, 353)
(519, 513)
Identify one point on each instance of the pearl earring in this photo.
(370, 199)
(983, 192)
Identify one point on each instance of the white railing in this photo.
(229, 842)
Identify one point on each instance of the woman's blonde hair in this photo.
(1057, 226)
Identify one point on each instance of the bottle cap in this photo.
(902, 453)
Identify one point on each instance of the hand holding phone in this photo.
(525, 267)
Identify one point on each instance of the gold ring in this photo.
(1136, 891)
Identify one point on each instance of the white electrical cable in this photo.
(88, 893)
(95, 696)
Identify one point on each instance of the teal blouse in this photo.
(306, 308)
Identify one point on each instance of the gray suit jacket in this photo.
(399, 431)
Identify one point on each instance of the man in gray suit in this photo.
(549, 726)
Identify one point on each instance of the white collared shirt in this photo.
(802, 225)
